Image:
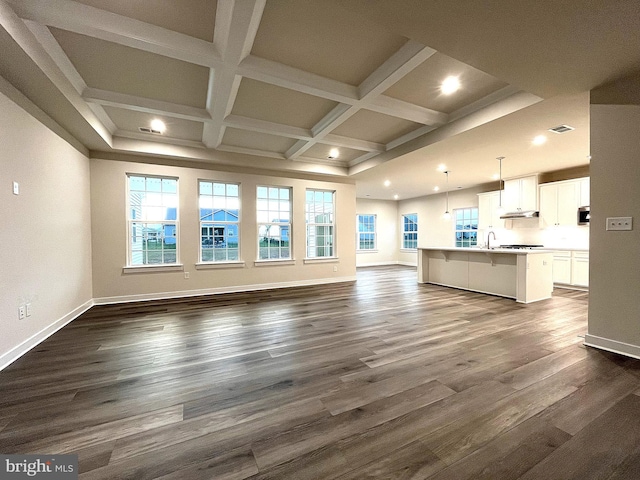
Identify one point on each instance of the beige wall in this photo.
(387, 240)
(614, 264)
(45, 257)
(108, 203)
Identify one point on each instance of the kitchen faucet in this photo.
(489, 238)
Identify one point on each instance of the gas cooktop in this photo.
(522, 246)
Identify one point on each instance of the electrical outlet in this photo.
(16, 188)
(619, 223)
(186, 275)
(22, 312)
(28, 309)
(335, 268)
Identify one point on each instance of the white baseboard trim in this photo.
(217, 290)
(614, 346)
(408, 264)
(376, 264)
(33, 341)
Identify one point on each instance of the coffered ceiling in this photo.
(276, 84)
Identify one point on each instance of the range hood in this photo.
(520, 214)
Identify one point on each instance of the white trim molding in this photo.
(16, 352)
(614, 346)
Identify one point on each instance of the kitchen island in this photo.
(524, 275)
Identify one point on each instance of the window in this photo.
(274, 223)
(153, 220)
(219, 205)
(319, 212)
(366, 232)
(466, 226)
(410, 231)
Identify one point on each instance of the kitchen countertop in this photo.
(510, 251)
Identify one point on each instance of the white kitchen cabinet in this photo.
(580, 269)
(562, 267)
(571, 268)
(488, 216)
(521, 194)
(585, 192)
(559, 203)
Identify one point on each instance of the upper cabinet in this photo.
(520, 194)
(488, 216)
(559, 202)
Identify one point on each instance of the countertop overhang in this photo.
(510, 251)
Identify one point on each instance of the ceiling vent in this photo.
(149, 130)
(561, 129)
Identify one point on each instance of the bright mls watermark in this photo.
(51, 467)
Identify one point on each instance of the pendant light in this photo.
(500, 209)
(447, 215)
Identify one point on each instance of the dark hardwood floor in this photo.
(379, 379)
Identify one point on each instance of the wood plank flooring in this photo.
(378, 379)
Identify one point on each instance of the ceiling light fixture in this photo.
(450, 85)
(539, 140)
(387, 183)
(333, 153)
(395, 197)
(435, 189)
(500, 209)
(447, 215)
(158, 125)
(442, 167)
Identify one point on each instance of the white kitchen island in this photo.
(524, 275)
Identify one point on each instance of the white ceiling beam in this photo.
(275, 73)
(251, 151)
(271, 128)
(86, 20)
(150, 137)
(146, 105)
(23, 36)
(354, 143)
(483, 102)
(407, 111)
(237, 21)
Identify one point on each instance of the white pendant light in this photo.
(447, 215)
(500, 209)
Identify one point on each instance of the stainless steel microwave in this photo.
(584, 215)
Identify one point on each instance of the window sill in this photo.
(175, 267)
(322, 260)
(216, 265)
(408, 249)
(270, 263)
(366, 251)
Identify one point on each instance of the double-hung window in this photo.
(466, 227)
(366, 225)
(219, 205)
(320, 219)
(410, 231)
(274, 223)
(152, 220)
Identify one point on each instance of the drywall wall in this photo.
(46, 247)
(387, 246)
(614, 263)
(109, 234)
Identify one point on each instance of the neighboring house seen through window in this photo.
(274, 223)
(466, 226)
(219, 205)
(410, 231)
(320, 219)
(366, 225)
(153, 220)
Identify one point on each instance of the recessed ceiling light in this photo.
(395, 197)
(435, 189)
(442, 167)
(539, 140)
(158, 125)
(387, 183)
(495, 176)
(449, 85)
(334, 153)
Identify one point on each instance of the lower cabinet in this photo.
(571, 268)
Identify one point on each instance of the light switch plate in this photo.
(619, 223)
(16, 188)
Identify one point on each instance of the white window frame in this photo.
(409, 232)
(211, 224)
(359, 233)
(133, 222)
(312, 226)
(463, 230)
(281, 226)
